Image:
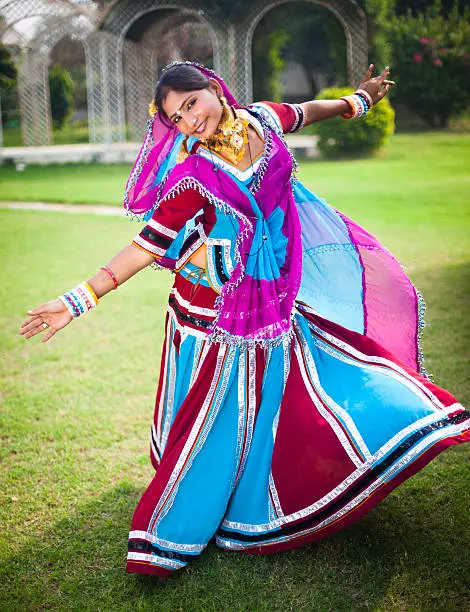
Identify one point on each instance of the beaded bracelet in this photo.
(111, 275)
(366, 95)
(359, 104)
(79, 300)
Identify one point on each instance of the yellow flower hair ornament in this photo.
(153, 109)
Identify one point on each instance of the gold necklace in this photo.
(231, 137)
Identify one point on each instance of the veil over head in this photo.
(158, 154)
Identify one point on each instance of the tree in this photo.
(268, 63)
(61, 92)
(431, 62)
(7, 68)
(310, 36)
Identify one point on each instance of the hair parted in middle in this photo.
(180, 77)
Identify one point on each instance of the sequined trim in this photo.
(211, 271)
(224, 244)
(185, 548)
(161, 405)
(148, 246)
(161, 228)
(250, 404)
(369, 358)
(186, 329)
(195, 439)
(341, 488)
(269, 114)
(170, 395)
(193, 248)
(274, 496)
(142, 158)
(315, 392)
(242, 416)
(421, 306)
(409, 383)
(397, 467)
(244, 343)
(200, 441)
(156, 560)
(205, 312)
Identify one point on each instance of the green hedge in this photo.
(339, 137)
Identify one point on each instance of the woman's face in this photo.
(195, 113)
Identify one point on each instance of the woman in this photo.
(290, 397)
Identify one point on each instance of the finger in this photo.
(37, 311)
(37, 324)
(28, 321)
(34, 331)
(368, 74)
(384, 91)
(48, 335)
(381, 78)
(389, 82)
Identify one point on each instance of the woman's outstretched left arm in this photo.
(318, 110)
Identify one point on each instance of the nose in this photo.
(190, 118)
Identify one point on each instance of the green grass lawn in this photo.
(69, 134)
(76, 412)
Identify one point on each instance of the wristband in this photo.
(358, 105)
(79, 300)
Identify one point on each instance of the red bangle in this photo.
(111, 275)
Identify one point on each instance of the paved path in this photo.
(118, 152)
(93, 209)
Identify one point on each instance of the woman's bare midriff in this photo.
(199, 257)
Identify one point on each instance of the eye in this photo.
(176, 119)
(191, 103)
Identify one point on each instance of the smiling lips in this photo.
(201, 128)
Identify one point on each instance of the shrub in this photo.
(355, 137)
(431, 63)
(61, 90)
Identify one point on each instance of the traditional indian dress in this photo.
(291, 398)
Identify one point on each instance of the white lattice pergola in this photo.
(122, 70)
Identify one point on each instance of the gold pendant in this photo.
(231, 138)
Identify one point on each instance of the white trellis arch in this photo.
(33, 81)
(137, 61)
(348, 13)
(116, 64)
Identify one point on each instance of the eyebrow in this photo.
(182, 104)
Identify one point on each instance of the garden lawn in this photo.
(76, 413)
(69, 134)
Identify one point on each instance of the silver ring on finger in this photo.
(45, 325)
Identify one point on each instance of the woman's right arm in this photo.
(55, 315)
(150, 245)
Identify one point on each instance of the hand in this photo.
(378, 86)
(48, 318)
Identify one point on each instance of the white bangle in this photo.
(79, 300)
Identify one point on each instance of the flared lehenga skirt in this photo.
(270, 449)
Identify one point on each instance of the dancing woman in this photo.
(291, 398)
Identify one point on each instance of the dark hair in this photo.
(181, 77)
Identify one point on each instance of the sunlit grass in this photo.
(76, 412)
